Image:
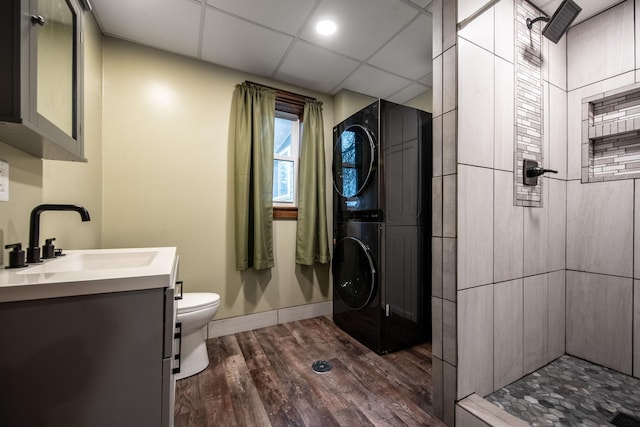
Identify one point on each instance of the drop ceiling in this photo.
(382, 47)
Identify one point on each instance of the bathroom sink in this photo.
(93, 261)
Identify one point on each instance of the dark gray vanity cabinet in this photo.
(88, 360)
(41, 77)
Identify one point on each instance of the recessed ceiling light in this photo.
(326, 27)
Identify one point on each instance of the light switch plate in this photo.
(4, 181)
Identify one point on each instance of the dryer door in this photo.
(353, 160)
(354, 273)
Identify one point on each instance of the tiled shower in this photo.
(515, 287)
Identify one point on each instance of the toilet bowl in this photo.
(195, 310)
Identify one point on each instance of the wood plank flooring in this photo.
(264, 378)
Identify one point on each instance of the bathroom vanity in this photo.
(87, 339)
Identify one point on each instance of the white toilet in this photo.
(195, 310)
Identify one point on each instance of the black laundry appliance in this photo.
(382, 226)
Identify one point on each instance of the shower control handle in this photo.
(531, 171)
(537, 171)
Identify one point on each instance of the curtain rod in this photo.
(289, 96)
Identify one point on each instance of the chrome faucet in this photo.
(33, 251)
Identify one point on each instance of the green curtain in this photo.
(312, 242)
(255, 113)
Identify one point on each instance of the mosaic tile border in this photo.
(528, 103)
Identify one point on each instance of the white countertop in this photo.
(93, 271)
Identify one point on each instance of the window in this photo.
(286, 149)
(286, 146)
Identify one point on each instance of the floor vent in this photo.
(322, 366)
(624, 420)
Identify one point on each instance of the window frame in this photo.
(296, 141)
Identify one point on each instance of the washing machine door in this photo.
(354, 273)
(353, 160)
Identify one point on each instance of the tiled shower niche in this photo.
(611, 135)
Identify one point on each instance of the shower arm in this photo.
(530, 22)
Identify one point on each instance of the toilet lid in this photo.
(193, 301)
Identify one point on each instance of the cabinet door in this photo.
(93, 360)
(56, 58)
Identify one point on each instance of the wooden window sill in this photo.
(285, 213)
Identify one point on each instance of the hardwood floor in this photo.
(264, 378)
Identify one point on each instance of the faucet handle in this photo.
(48, 250)
(16, 256)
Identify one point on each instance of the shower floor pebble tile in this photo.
(570, 392)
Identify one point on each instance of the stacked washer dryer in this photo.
(382, 226)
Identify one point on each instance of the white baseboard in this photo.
(234, 325)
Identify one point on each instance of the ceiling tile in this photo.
(314, 67)
(363, 25)
(166, 24)
(408, 93)
(371, 81)
(409, 53)
(283, 15)
(422, 3)
(241, 45)
(427, 80)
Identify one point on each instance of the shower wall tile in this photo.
(536, 235)
(449, 206)
(437, 146)
(449, 140)
(556, 156)
(436, 206)
(594, 38)
(449, 89)
(600, 227)
(436, 17)
(480, 31)
(450, 379)
(599, 319)
(449, 333)
(637, 20)
(508, 230)
(475, 233)
(574, 118)
(437, 398)
(465, 418)
(436, 267)
(476, 105)
(504, 114)
(466, 8)
(449, 24)
(535, 322)
(507, 332)
(504, 30)
(475, 330)
(636, 237)
(556, 301)
(554, 68)
(636, 328)
(437, 86)
(557, 208)
(449, 269)
(436, 327)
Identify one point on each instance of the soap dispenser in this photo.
(16, 256)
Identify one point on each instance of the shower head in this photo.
(558, 24)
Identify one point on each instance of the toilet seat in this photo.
(195, 301)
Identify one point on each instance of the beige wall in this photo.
(33, 181)
(168, 180)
